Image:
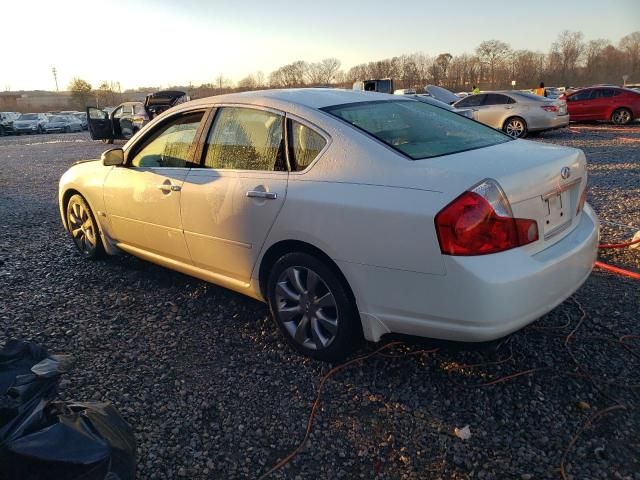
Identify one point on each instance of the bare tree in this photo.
(443, 60)
(594, 61)
(493, 53)
(324, 72)
(630, 44)
(567, 52)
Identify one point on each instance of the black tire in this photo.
(348, 332)
(107, 140)
(67, 129)
(2, 134)
(515, 127)
(86, 234)
(622, 116)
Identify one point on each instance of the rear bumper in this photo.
(480, 298)
(549, 123)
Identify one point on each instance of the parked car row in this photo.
(16, 123)
(516, 113)
(519, 113)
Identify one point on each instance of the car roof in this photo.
(310, 97)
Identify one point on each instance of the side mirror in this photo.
(113, 157)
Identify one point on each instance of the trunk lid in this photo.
(542, 182)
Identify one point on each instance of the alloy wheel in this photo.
(306, 307)
(515, 128)
(621, 117)
(82, 227)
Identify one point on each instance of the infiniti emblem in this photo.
(565, 172)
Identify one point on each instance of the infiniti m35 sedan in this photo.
(351, 214)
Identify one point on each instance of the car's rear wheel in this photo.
(83, 228)
(515, 127)
(313, 308)
(621, 116)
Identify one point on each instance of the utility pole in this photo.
(55, 77)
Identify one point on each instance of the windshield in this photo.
(416, 129)
(56, 119)
(28, 116)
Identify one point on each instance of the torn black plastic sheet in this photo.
(72, 441)
(45, 440)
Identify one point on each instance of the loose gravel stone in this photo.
(211, 390)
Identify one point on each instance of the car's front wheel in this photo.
(515, 127)
(621, 116)
(313, 308)
(83, 228)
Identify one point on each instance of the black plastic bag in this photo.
(28, 376)
(45, 440)
(72, 441)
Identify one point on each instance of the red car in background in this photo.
(618, 105)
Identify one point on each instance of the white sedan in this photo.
(352, 214)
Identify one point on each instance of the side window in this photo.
(117, 113)
(306, 144)
(472, 101)
(171, 144)
(245, 139)
(496, 99)
(584, 95)
(138, 109)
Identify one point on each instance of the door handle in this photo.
(167, 187)
(260, 194)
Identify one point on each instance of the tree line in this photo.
(571, 61)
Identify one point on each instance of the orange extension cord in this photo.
(611, 268)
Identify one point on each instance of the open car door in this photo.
(100, 124)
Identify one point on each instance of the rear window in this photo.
(416, 129)
(530, 96)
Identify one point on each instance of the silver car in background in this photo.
(63, 123)
(30, 123)
(516, 113)
(426, 98)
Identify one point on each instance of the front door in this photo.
(143, 198)
(99, 124)
(579, 105)
(229, 205)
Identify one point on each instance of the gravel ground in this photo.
(212, 391)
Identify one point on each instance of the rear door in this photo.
(230, 204)
(494, 109)
(99, 124)
(599, 104)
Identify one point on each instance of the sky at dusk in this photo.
(165, 42)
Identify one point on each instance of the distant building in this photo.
(9, 101)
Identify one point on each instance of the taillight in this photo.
(550, 108)
(480, 222)
(583, 199)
